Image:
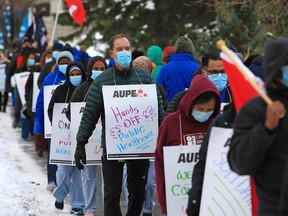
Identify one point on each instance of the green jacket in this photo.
(95, 106)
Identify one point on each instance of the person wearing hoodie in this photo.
(175, 76)
(154, 53)
(50, 64)
(55, 78)
(197, 109)
(259, 143)
(89, 175)
(68, 177)
(122, 73)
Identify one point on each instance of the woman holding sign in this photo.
(96, 66)
(186, 126)
(75, 75)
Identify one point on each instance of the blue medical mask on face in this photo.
(62, 68)
(48, 60)
(123, 58)
(31, 62)
(201, 116)
(284, 79)
(220, 80)
(76, 80)
(95, 73)
(55, 54)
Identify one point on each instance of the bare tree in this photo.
(18, 9)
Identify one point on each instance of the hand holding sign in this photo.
(149, 113)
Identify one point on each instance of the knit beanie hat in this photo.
(57, 46)
(184, 44)
(155, 54)
(144, 63)
(167, 53)
(64, 54)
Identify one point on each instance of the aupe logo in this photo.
(129, 93)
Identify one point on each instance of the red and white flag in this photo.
(242, 91)
(76, 11)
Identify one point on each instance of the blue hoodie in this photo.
(54, 78)
(176, 75)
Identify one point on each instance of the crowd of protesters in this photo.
(193, 95)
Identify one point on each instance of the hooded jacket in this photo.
(190, 128)
(63, 93)
(80, 93)
(155, 54)
(256, 151)
(177, 74)
(55, 78)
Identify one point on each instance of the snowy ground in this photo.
(22, 181)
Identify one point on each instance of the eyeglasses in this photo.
(214, 72)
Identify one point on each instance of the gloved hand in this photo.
(80, 156)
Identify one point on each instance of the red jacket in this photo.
(169, 132)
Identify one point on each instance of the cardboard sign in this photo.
(179, 162)
(224, 192)
(60, 149)
(20, 80)
(48, 92)
(35, 90)
(131, 114)
(93, 147)
(2, 77)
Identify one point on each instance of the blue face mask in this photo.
(95, 73)
(76, 80)
(62, 68)
(284, 79)
(48, 60)
(55, 54)
(123, 58)
(201, 116)
(220, 80)
(31, 62)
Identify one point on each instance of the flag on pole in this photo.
(37, 31)
(242, 91)
(76, 11)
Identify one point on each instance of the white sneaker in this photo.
(51, 186)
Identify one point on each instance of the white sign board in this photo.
(60, 149)
(93, 147)
(2, 77)
(21, 79)
(48, 92)
(179, 162)
(131, 115)
(35, 90)
(224, 192)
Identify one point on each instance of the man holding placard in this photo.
(259, 143)
(135, 113)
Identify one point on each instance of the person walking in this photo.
(68, 177)
(259, 144)
(175, 76)
(89, 175)
(122, 73)
(197, 109)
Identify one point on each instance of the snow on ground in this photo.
(22, 181)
